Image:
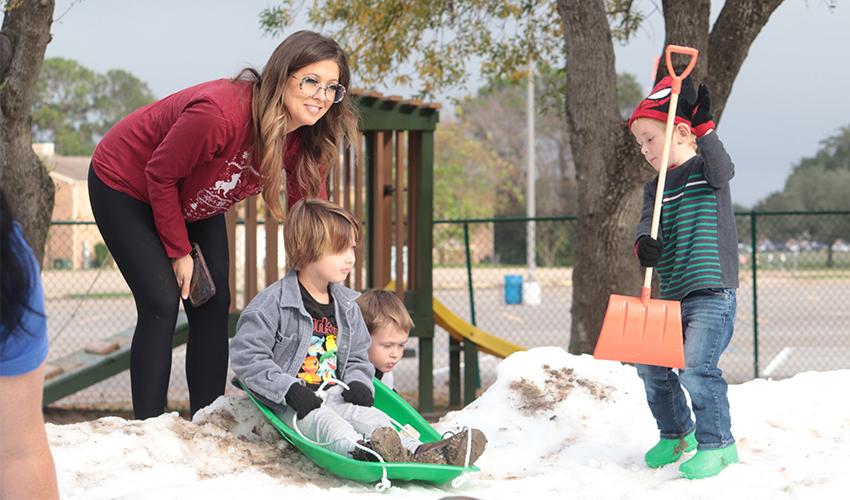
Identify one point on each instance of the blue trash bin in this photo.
(513, 289)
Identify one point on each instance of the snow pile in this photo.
(558, 425)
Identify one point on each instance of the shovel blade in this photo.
(647, 333)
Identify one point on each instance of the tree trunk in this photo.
(23, 177)
(686, 23)
(609, 168)
(608, 172)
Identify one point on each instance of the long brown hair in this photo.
(320, 143)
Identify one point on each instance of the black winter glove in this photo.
(648, 251)
(701, 120)
(359, 394)
(302, 400)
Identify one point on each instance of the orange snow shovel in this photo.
(643, 330)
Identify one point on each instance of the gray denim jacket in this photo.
(273, 334)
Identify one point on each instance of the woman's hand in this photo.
(183, 267)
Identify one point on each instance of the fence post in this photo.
(469, 272)
(754, 252)
(454, 373)
(471, 374)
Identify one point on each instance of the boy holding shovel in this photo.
(696, 259)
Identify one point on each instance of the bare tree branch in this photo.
(736, 28)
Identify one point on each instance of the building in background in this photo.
(70, 243)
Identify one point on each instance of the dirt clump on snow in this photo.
(557, 386)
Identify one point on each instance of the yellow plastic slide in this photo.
(462, 330)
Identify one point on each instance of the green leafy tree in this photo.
(817, 183)
(466, 175)
(437, 40)
(497, 117)
(75, 106)
(122, 93)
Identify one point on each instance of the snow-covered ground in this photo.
(559, 426)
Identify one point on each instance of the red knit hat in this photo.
(657, 103)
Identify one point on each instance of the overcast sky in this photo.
(791, 93)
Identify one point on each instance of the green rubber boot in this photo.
(707, 463)
(668, 451)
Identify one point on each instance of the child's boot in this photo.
(430, 453)
(456, 450)
(452, 450)
(707, 463)
(668, 451)
(386, 443)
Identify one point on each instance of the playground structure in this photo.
(391, 191)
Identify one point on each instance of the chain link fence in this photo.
(791, 315)
(87, 301)
(795, 273)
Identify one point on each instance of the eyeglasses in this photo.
(310, 87)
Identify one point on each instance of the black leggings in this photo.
(127, 227)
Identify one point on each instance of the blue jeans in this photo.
(708, 320)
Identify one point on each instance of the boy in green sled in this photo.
(306, 329)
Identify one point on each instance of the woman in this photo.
(27, 469)
(164, 176)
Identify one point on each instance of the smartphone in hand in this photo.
(202, 287)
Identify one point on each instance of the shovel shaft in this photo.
(668, 138)
(645, 330)
(662, 171)
(644, 295)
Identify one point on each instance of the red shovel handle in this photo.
(678, 49)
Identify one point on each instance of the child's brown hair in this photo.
(382, 308)
(314, 228)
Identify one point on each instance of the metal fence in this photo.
(792, 313)
(794, 286)
(87, 300)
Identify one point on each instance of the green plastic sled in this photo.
(371, 472)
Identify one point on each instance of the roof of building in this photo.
(73, 167)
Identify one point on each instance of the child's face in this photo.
(649, 135)
(387, 347)
(334, 268)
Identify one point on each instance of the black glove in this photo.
(302, 400)
(687, 98)
(701, 121)
(359, 394)
(648, 251)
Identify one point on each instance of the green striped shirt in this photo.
(697, 223)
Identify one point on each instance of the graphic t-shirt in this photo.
(320, 363)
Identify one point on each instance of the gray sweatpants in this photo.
(342, 424)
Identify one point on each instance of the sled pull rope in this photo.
(384, 484)
(403, 428)
(458, 481)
